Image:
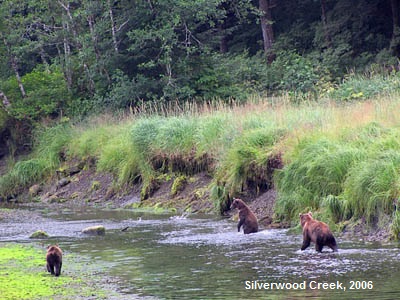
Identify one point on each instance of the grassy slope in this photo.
(340, 159)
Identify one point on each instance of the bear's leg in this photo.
(318, 247)
(58, 269)
(306, 243)
(333, 246)
(241, 222)
(48, 267)
(248, 229)
(52, 269)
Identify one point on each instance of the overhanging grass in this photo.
(355, 175)
(49, 150)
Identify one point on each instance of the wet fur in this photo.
(317, 232)
(247, 219)
(54, 260)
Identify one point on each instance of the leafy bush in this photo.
(356, 87)
(293, 72)
(46, 94)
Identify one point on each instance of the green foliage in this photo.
(49, 150)
(46, 94)
(119, 158)
(231, 77)
(356, 87)
(89, 142)
(3, 119)
(213, 132)
(317, 171)
(245, 163)
(395, 226)
(355, 176)
(178, 185)
(337, 208)
(373, 185)
(293, 72)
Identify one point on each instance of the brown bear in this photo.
(317, 232)
(247, 219)
(54, 259)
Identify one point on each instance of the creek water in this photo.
(161, 256)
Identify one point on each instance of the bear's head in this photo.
(304, 218)
(237, 203)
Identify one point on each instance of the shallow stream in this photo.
(161, 256)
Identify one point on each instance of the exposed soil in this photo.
(99, 189)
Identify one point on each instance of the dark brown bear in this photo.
(54, 259)
(247, 219)
(317, 232)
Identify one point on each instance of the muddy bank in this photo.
(82, 185)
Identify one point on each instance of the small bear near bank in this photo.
(54, 259)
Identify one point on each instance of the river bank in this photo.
(92, 189)
(281, 159)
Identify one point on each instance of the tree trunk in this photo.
(15, 68)
(395, 42)
(14, 65)
(328, 39)
(5, 101)
(223, 43)
(113, 29)
(266, 27)
(78, 44)
(67, 57)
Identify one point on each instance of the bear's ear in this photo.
(310, 213)
(299, 214)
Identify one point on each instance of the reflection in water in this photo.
(189, 257)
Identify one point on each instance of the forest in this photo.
(254, 93)
(74, 58)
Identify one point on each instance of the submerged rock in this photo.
(95, 230)
(39, 234)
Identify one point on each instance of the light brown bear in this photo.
(317, 232)
(54, 259)
(247, 219)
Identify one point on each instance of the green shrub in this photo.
(293, 72)
(46, 94)
(356, 86)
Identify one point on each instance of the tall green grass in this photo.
(356, 175)
(50, 146)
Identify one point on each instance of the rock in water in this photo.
(95, 230)
(39, 234)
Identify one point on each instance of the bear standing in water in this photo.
(246, 217)
(317, 232)
(54, 260)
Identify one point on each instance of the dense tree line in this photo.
(66, 57)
